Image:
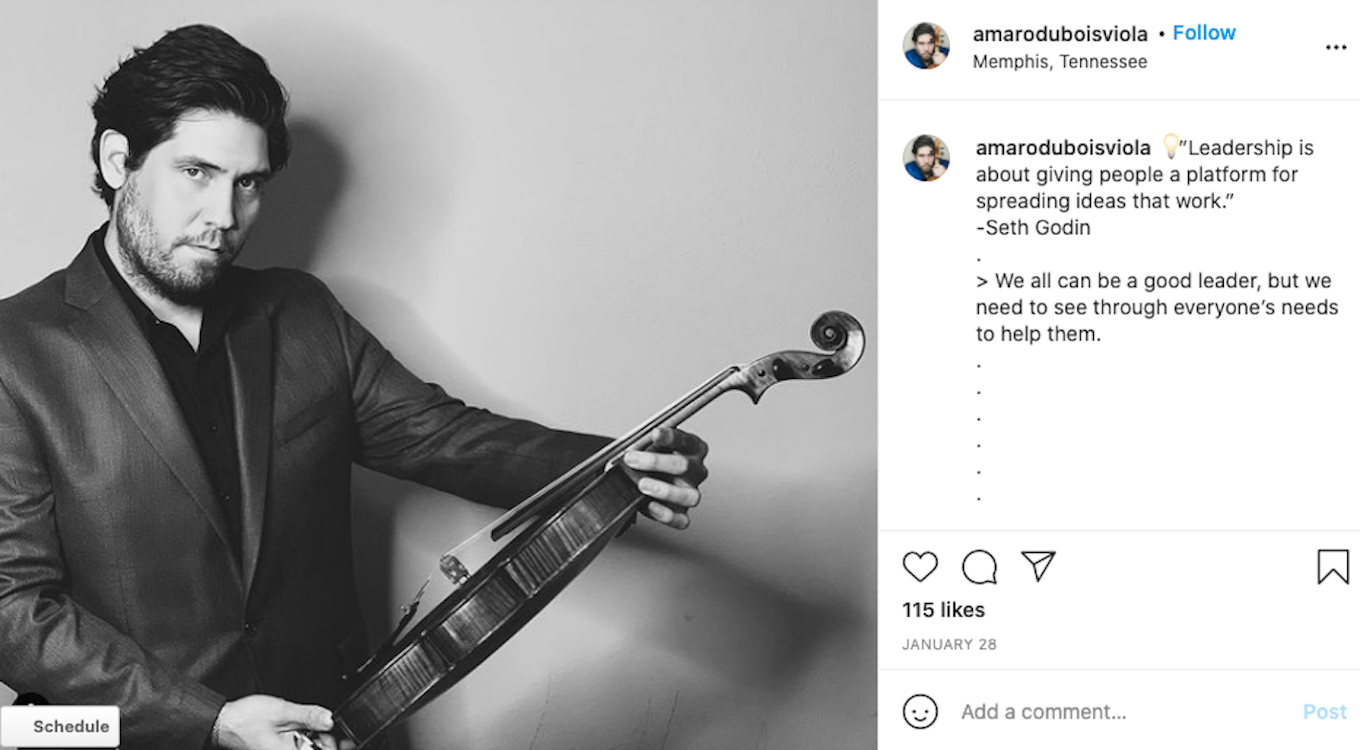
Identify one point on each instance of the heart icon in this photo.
(919, 565)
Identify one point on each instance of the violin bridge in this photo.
(453, 569)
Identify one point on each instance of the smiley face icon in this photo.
(920, 711)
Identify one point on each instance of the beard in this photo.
(153, 266)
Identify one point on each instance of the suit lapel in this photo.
(250, 346)
(127, 364)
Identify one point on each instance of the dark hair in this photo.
(920, 141)
(193, 67)
(922, 28)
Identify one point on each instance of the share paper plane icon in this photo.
(1040, 561)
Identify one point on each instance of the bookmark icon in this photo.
(1334, 562)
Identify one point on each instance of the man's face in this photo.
(182, 217)
(925, 159)
(925, 46)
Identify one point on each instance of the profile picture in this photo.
(926, 46)
(926, 158)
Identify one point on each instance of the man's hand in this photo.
(938, 169)
(673, 467)
(937, 58)
(263, 722)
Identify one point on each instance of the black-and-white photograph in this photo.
(441, 375)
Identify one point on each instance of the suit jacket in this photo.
(117, 582)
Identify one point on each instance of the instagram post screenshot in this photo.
(642, 376)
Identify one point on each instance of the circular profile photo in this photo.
(926, 158)
(926, 45)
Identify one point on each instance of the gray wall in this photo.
(571, 212)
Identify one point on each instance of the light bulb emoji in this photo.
(1171, 142)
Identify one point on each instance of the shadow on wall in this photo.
(300, 200)
(758, 635)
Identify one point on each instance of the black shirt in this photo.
(201, 382)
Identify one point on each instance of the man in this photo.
(926, 53)
(925, 165)
(176, 434)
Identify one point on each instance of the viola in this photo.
(562, 528)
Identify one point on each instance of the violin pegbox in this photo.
(835, 332)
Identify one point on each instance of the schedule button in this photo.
(59, 726)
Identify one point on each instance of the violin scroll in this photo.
(835, 332)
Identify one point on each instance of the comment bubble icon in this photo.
(979, 567)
